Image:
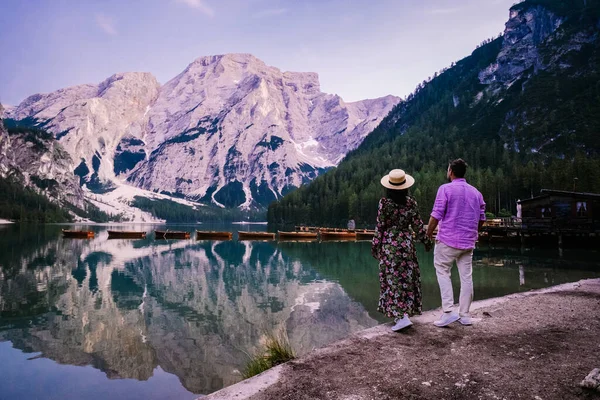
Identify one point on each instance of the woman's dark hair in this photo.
(459, 167)
(397, 196)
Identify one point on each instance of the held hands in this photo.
(433, 223)
(428, 246)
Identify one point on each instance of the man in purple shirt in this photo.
(460, 211)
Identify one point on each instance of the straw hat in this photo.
(397, 180)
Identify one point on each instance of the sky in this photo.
(360, 48)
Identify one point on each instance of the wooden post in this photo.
(560, 241)
(522, 237)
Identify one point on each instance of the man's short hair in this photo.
(458, 167)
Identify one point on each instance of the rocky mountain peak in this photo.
(228, 130)
(126, 81)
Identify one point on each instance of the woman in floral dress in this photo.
(398, 227)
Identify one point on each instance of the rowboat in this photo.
(214, 235)
(296, 235)
(77, 234)
(335, 230)
(302, 228)
(255, 235)
(126, 235)
(171, 235)
(365, 235)
(296, 240)
(343, 235)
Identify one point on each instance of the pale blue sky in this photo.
(360, 48)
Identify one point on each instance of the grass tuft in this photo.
(276, 350)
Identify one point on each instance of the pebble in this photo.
(592, 381)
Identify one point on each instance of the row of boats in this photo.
(308, 235)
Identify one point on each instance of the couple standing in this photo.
(461, 210)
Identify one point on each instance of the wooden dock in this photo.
(537, 232)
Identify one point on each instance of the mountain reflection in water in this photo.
(195, 309)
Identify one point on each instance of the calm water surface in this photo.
(173, 319)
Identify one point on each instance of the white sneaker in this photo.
(402, 323)
(447, 319)
(465, 321)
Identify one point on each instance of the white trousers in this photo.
(443, 258)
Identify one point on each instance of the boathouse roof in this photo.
(565, 193)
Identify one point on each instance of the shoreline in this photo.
(551, 323)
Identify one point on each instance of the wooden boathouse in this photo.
(557, 210)
(553, 217)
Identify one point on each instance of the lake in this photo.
(167, 319)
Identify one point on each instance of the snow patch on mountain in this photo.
(119, 200)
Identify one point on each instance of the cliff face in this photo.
(525, 32)
(36, 160)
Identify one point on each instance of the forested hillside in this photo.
(523, 110)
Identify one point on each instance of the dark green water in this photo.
(172, 319)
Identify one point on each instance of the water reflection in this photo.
(196, 308)
(193, 308)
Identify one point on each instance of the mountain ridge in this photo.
(228, 130)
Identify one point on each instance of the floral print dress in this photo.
(394, 246)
